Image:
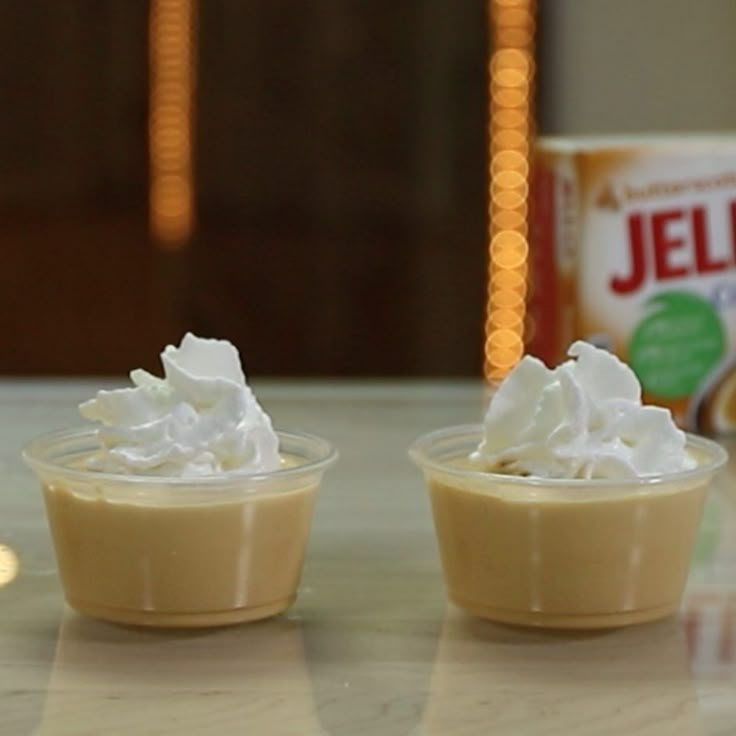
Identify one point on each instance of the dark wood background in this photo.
(340, 188)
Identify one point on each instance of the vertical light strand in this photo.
(172, 43)
(510, 130)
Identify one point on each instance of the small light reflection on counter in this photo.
(9, 565)
(709, 619)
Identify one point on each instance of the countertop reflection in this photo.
(141, 681)
(371, 646)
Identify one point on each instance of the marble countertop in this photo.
(371, 645)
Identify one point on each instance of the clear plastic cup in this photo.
(176, 552)
(562, 553)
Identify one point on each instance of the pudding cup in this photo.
(178, 552)
(562, 553)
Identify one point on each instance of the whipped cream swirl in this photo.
(200, 419)
(583, 419)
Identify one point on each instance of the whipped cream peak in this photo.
(201, 418)
(583, 419)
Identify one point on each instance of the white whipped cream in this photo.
(583, 419)
(200, 419)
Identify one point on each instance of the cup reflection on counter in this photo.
(501, 680)
(178, 552)
(121, 680)
(562, 553)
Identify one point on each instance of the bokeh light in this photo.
(171, 103)
(510, 125)
(9, 565)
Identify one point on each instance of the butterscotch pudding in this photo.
(185, 508)
(573, 505)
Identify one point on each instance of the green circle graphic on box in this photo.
(677, 344)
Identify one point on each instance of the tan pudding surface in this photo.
(588, 562)
(180, 565)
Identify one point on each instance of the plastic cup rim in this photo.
(418, 452)
(34, 451)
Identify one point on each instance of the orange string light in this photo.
(171, 103)
(511, 76)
